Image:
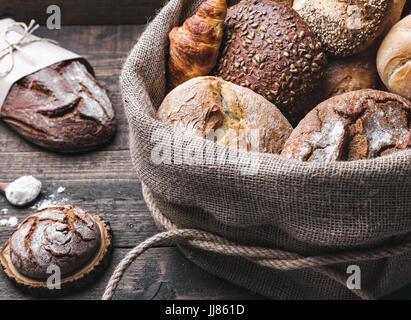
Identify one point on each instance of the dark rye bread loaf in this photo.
(269, 49)
(65, 237)
(346, 27)
(357, 125)
(61, 108)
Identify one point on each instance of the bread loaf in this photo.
(62, 246)
(350, 74)
(357, 125)
(61, 108)
(227, 114)
(394, 59)
(66, 237)
(269, 49)
(346, 27)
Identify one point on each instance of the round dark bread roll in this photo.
(357, 125)
(269, 49)
(350, 73)
(227, 114)
(346, 27)
(68, 238)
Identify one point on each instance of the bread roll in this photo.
(78, 244)
(269, 48)
(227, 114)
(394, 58)
(396, 13)
(346, 27)
(357, 125)
(350, 73)
(194, 46)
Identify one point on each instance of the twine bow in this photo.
(12, 47)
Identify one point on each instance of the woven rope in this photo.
(271, 258)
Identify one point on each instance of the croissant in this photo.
(195, 45)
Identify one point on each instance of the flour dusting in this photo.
(56, 199)
(10, 222)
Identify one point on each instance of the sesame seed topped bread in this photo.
(269, 49)
(227, 114)
(346, 27)
(357, 125)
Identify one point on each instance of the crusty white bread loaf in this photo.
(226, 113)
(394, 58)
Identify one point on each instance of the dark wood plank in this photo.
(105, 47)
(51, 166)
(160, 273)
(117, 201)
(80, 12)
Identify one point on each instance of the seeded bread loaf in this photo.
(61, 108)
(226, 114)
(269, 49)
(357, 125)
(346, 27)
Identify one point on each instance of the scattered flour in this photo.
(55, 199)
(23, 190)
(4, 211)
(10, 222)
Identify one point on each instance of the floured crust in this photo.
(357, 125)
(346, 27)
(227, 114)
(79, 277)
(61, 108)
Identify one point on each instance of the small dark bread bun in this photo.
(270, 49)
(350, 73)
(346, 27)
(357, 125)
(64, 237)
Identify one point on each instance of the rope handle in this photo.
(270, 258)
(254, 254)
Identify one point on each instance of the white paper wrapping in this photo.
(33, 57)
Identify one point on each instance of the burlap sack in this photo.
(281, 228)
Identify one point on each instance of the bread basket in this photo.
(281, 228)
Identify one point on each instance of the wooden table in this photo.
(103, 182)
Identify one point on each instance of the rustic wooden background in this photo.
(90, 12)
(103, 182)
